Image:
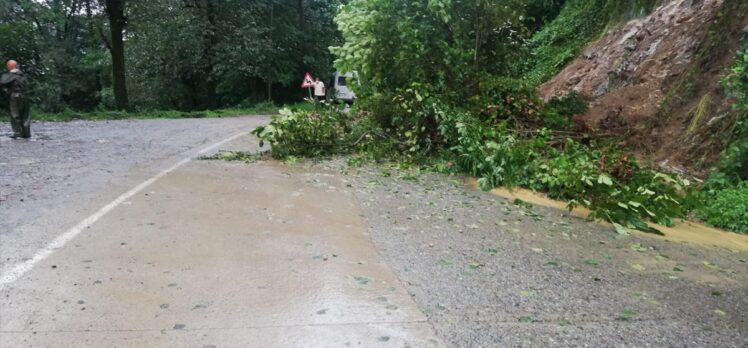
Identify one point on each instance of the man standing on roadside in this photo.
(319, 90)
(14, 84)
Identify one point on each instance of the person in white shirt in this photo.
(319, 90)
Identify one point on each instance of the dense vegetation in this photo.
(177, 54)
(443, 88)
(726, 191)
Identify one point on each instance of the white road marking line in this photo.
(22, 268)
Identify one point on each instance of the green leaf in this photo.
(620, 229)
(591, 262)
(526, 319)
(626, 314)
(604, 179)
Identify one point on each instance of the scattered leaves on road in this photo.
(591, 262)
(527, 319)
(362, 280)
(475, 265)
(626, 314)
(708, 264)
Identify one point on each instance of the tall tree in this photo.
(115, 10)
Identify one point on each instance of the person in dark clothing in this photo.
(14, 84)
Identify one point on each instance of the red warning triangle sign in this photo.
(308, 81)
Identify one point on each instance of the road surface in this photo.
(114, 235)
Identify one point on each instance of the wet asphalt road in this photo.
(211, 254)
(69, 170)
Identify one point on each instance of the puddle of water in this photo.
(683, 231)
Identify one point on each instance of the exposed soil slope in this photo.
(655, 81)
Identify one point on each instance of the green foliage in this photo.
(725, 195)
(233, 156)
(734, 163)
(415, 53)
(192, 55)
(611, 185)
(17, 42)
(370, 140)
(728, 208)
(185, 55)
(306, 133)
(58, 52)
(447, 44)
(540, 12)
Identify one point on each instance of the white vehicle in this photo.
(340, 88)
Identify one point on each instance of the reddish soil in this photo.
(646, 78)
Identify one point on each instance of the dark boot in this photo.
(20, 117)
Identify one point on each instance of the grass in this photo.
(728, 208)
(70, 115)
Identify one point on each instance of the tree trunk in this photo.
(116, 11)
(270, 61)
(210, 40)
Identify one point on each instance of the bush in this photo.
(728, 208)
(724, 200)
(613, 186)
(369, 139)
(734, 163)
(305, 133)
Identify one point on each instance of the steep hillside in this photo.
(655, 81)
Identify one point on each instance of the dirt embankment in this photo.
(655, 81)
